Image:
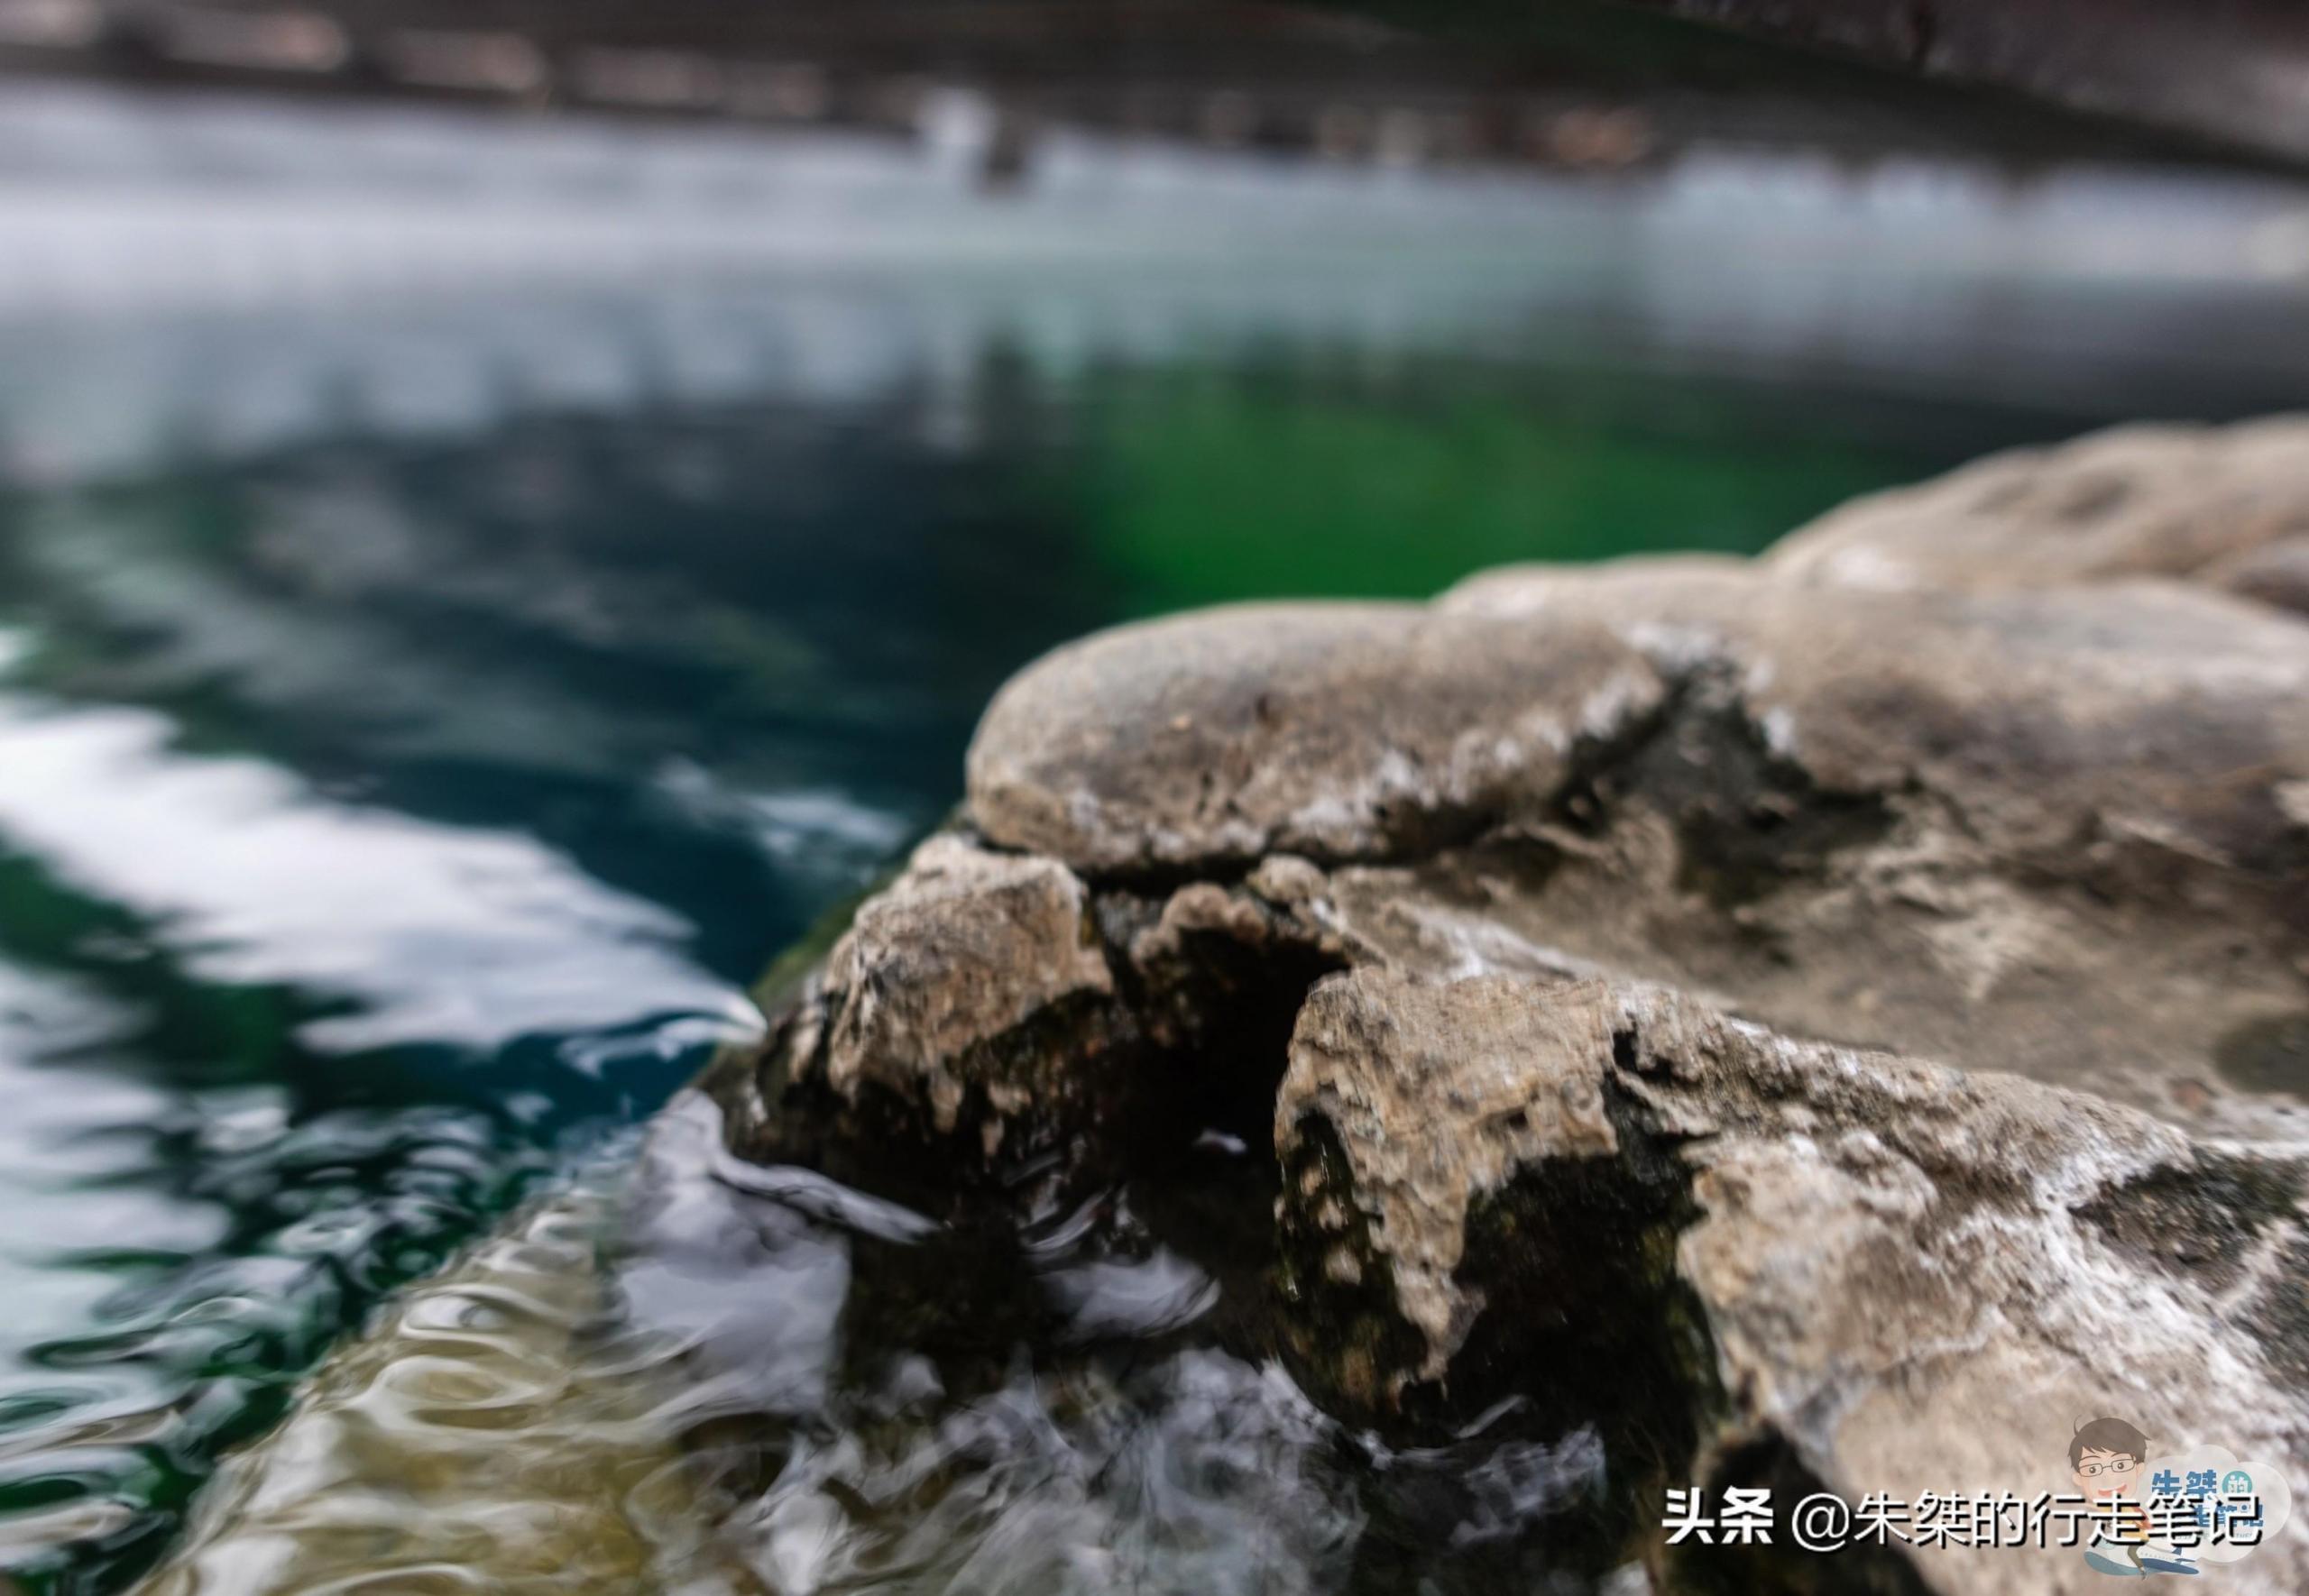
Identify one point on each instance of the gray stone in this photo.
(2273, 574)
(1334, 731)
(1935, 821)
(973, 973)
(2131, 502)
(1912, 1277)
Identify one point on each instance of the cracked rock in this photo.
(1908, 1277)
(1932, 821)
(973, 986)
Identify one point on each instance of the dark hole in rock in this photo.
(1624, 1054)
(1781, 1568)
(1230, 1079)
(1748, 820)
(1587, 1345)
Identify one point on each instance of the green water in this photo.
(384, 819)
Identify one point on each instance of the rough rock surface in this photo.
(1334, 731)
(2273, 573)
(1930, 820)
(2178, 502)
(965, 948)
(986, 1004)
(1923, 819)
(1913, 1279)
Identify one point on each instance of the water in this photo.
(423, 711)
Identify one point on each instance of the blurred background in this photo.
(509, 508)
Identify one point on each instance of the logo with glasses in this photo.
(2169, 1515)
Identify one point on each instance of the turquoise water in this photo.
(387, 814)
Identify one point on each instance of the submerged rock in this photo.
(469, 1440)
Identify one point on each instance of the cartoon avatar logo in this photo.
(2105, 1458)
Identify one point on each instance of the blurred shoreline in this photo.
(179, 270)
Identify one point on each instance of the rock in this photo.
(2033, 711)
(1910, 1278)
(2273, 574)
(1930, 819)
(1337, 731)
(964, 948)
(1431, 1093)
(991, 1005)
(973, 980)
(2131, 501)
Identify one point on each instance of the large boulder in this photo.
(1928, 820)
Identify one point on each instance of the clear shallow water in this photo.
(421, 718)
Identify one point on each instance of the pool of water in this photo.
(420, 720)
